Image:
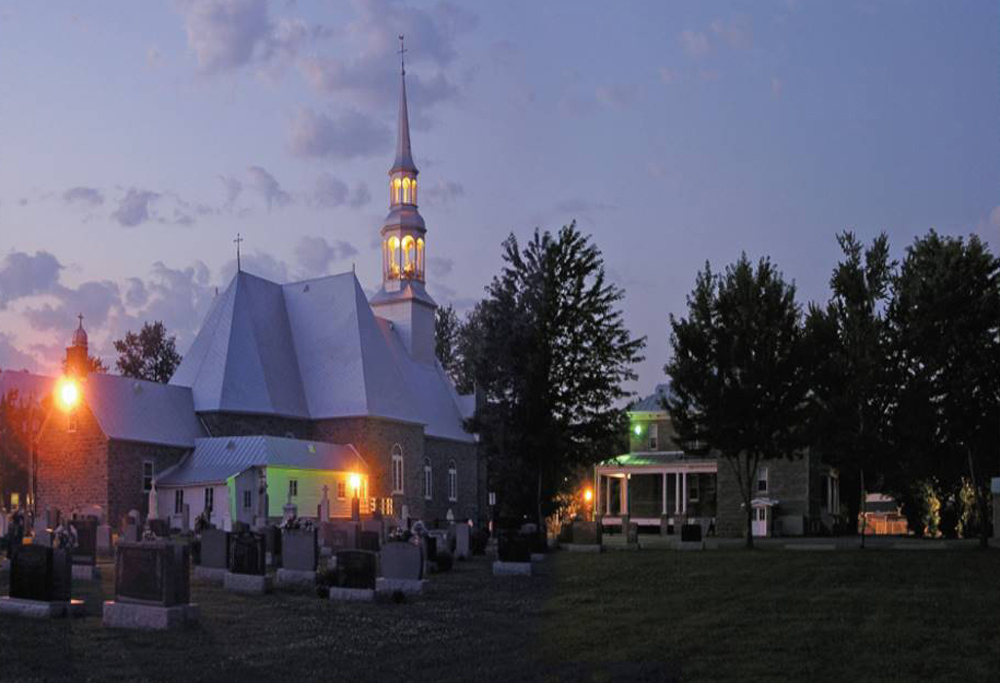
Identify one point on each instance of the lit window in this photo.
(397, 469)
(409, 255)
(653, 434)
(452, 481)
(247, 500)
(393, 256)
(341, 489)
(406, 190)
(147, 476)
(178, 501)
(209, 499)
(762, 480)
(428, 480)
(397, 183)
(420, 257)
(413, 191)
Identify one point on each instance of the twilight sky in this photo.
(137, 139)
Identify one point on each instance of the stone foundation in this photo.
(352, 594)
(512, 568)
(148, 617)
(214, 575)
(249, 584)
(37, 609)
(295, 578)
(583, 547)
(408, 586)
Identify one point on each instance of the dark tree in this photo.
(738, 378)
(549, 352)
(94, 364)
(150, 354)
(447, 328)
(17, 421)
(945, 319)
(852, 382)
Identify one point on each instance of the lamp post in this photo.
(355, 482)
(66, 395)
(588, 503)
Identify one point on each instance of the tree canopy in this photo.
(150, 354)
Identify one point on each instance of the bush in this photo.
(445, 560)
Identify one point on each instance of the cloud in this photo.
(268, 187)
(134, 208)
(580, 206)
(136, 295)
(369, 79)
(83, 195)
(315, 254)
(94, 299)
(22, 274)
(440, 266)
(695, 43)
(349, 135)
(620, 96)
(233, 189)
(667, 75)
(12, 358)
(443, 192)
(330, 192)
(737, 32)
(260, 264)
(777, 86)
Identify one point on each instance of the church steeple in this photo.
(403, 299)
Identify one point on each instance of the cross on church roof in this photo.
(80, 318)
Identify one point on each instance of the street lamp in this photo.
(67, 396)
(588, 500)
(355, 482)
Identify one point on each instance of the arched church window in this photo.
(413, 191)
(420, 257)
(409, 256)
(393, 256)
(397, 183)
(452, 481)
(428, 480)
(397, 468)
(406, 190)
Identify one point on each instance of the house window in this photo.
(178, 501)
(209, 499)
(293, 487)
(452, 481)
(762, 480)
(693, 491)
(247, 500)
(341, 489)
(397, 469)
(428, 481)
(653, 441)
(147, 476)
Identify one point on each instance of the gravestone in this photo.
(40, 584)
(130, 534)
(374, 525)
(213, 559)
(85, 552)
(995, 490)
(514, 552)
(369, 540)
(586, 537)
(152, 587)
(159, 527)
(299, 554)
(402, 568)
(247, 568)
(691, 533)
(42, 537)
(463, 538)
(272, 538)
(356, 575)
(104, 545)
(339, 535)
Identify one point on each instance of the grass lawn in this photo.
(727, 615)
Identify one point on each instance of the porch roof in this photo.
(653, 459)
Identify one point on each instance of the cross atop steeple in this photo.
(402, 52)
(237, 242)
(80, 318)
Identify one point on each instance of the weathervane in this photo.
(237, 242)
(402, 52)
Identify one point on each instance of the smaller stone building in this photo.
(657, 485)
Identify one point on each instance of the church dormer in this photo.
(402, 298)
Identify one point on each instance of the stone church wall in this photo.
(124, 476)
(72, 465)
(442, 452)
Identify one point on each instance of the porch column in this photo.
(684, 495)
(663, 509)
(624, 500)
(607, 502)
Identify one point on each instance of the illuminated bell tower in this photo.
(403, 299)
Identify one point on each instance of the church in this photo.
(291, 393)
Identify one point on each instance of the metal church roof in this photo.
(216, 459)
(654, 402)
